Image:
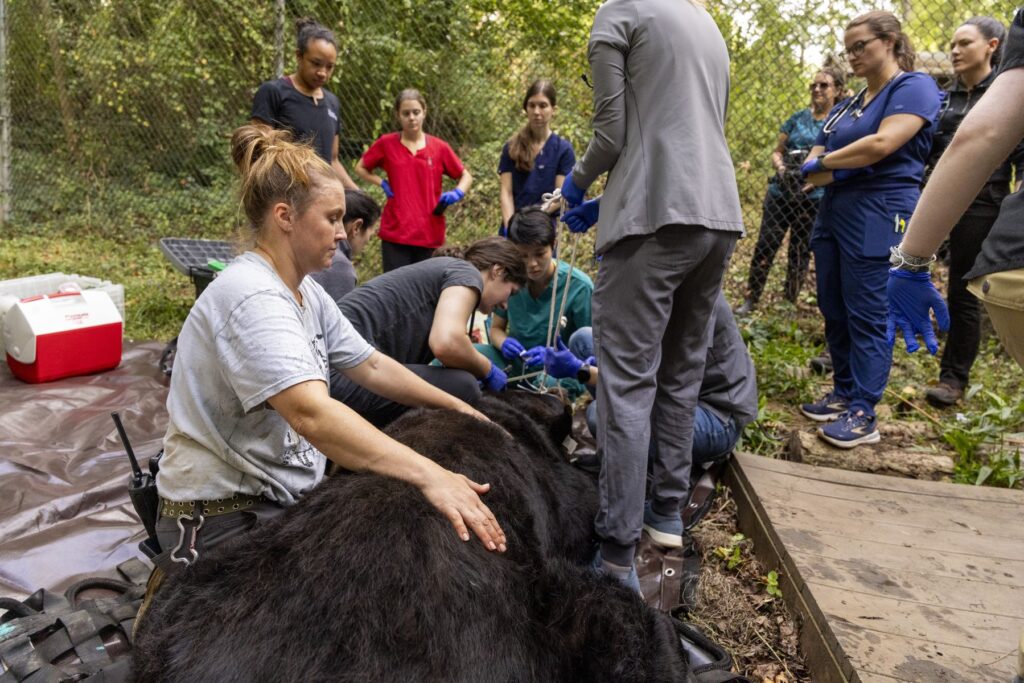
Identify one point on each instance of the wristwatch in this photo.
(583, 374)
(912, 264)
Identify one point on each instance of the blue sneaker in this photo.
(627, 576)
(666, 532)
(851, 429)
(829, 408)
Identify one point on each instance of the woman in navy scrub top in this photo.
(870, 158)
(534, 160)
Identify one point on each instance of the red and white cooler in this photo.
(65, 334)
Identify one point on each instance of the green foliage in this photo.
(732, 554)
(766, 435)
(771, 584)
(781, 349)
(988, 443)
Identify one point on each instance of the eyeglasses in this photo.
(857, 49)
(820, 86)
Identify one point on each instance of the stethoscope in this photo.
(855, 101)
(833, 121)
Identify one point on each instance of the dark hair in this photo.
(989, 28)
(490, 251)
(531, 226)
(885, 25)
(520, 145)
(308, 29)
(358, 205)
(838, 77)
(409, 94)
(274, 168)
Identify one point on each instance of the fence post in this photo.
(279, 38)
(5, 122)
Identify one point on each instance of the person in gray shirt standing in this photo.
(670, 217)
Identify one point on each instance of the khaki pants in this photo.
(1003, 296)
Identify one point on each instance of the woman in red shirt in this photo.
(412, 225)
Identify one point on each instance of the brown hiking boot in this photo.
(943, 395)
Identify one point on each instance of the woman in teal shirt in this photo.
(787, 208)
(523, 326)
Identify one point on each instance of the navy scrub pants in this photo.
(851, 241)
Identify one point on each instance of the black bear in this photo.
(365, 581)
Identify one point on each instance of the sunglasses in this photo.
(820, 86)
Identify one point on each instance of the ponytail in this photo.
(904, 51)
(274, 168)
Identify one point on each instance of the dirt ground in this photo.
(733, 604)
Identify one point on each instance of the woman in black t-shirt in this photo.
(301, 103)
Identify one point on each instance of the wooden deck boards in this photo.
(895, 579)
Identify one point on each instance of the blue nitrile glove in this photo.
(534, 356)
(812, 166)
(511, 348)
(583, 217)
(388, 192)
(451, 197)
(572, 193)
(841, 174)
(911, 297)
(561, 363)
(495, 380)
(591, 361)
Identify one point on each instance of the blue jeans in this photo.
(713, 438)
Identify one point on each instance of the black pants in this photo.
(793, 214)
(398, 255)
(964, 308)
(380, 411)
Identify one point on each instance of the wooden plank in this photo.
(856, 574)
(897, 579)
(821, 649)
(955, 514)
(880, 653)
(804, 513)
(887, 558)
(988, 635)
(940, 490)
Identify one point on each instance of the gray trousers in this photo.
(652, 305)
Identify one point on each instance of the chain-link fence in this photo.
(115, 115)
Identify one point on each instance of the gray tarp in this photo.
(64, 508)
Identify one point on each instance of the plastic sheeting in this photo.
(64, 508)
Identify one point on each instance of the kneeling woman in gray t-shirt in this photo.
(250, 417)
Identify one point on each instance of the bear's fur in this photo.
(365, 581)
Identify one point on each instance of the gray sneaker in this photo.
(943, 395)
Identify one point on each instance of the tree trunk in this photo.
(48, 24)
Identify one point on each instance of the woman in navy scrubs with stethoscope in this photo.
(870, 158)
